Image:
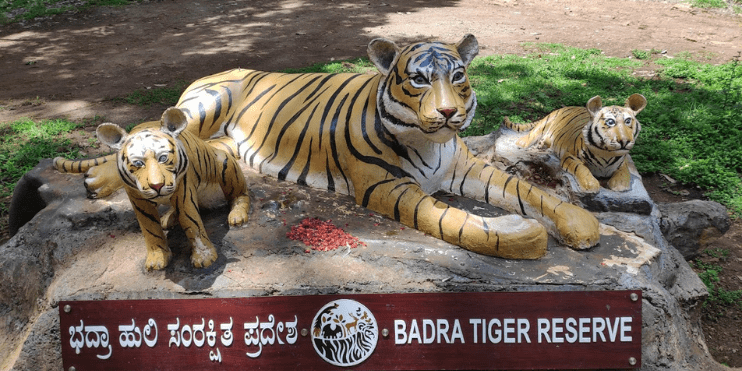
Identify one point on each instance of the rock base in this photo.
(81, 249)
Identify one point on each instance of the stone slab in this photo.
(81, 249)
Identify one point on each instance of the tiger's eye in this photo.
(420, 80)
(163, 159)
(627, 121)
(138, 163)
(610, 122)
(458, 76)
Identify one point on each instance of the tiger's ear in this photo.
(111, 135)
(384, 54)
(173, 121)
(468, 48)
(636, 102)
(594, 105)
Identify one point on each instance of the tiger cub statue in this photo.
(387, 139)
(161, 163)
(591, 142)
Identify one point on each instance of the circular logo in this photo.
(344, 332)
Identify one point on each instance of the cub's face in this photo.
(426, 89)
(149, 163)
(614, 128)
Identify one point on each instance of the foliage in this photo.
(358, 65)
(709, 3)
(16, 10)
(691, 128)
(23, 143)
(709, 272)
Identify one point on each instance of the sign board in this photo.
(498, 330)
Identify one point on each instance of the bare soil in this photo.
(73, 65)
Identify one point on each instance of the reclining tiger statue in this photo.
(161, 163)
(388, 139)
(591, 142)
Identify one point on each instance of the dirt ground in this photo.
(73, 65)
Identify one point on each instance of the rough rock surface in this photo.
(81, 249)
(690, 226)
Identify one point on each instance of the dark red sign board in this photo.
(499, 330)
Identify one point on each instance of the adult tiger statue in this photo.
(161, 163)
(387, 139)
(591, 142)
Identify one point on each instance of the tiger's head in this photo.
(614, 128)
(149, 160)
(425, 88)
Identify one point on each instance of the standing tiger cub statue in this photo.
(160, 163)
(591, 142)
(388, 139)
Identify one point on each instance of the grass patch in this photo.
(357, 65)
(708, 3)
(708, 271)
(24, 143)
(166, 95)
(691, 128)
(17, 10)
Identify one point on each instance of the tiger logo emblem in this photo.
(344, 332)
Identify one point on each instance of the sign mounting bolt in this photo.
(67, 309)
(634, 296)
(304, 332)
(632, 360)
(385, 333)
(72, 368)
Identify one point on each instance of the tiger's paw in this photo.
(589, 184)
(102, 180)
(157, 258)
(240, 211)
(203, 254)
(619, 183)
(577, 227)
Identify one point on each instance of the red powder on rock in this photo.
(322, 236)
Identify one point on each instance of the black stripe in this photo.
(297, 146)
(370, 190)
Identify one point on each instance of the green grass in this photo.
(166, 95)
(709, 3)
(708, 272)
(16, 10)
(23, 143)
(691, 128)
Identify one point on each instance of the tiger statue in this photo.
(162, 163)
(387, 139)
(591, 142)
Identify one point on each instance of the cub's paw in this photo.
(203, 254)
(157, 258)
(240, 211)
(619, 184)
(589, 184)
(577, 227)
(102, 180)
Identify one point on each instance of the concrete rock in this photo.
(690, 226)
(81, 249)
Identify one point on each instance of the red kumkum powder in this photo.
(322, 236)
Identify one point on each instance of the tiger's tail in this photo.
(519, 127)
(64, 165)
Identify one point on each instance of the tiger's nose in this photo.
(157, 186)
(447, 112)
